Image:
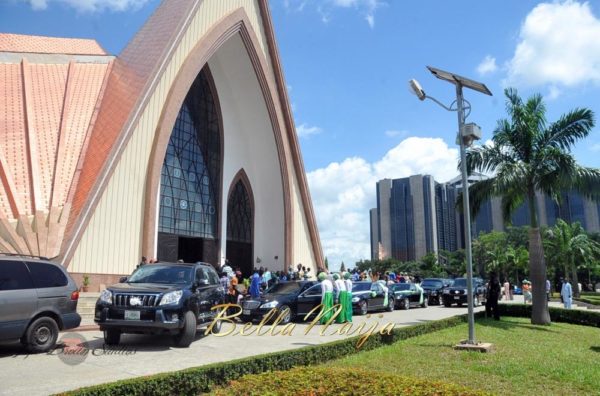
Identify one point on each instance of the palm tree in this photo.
(571, 245)
(528, 155)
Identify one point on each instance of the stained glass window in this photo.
(239, 215)
(190, 178)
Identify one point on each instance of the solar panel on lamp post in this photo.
(466, 135)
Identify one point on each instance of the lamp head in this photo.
(415, 88)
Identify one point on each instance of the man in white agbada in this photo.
(567, 294)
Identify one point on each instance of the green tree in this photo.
(528, 155)
(569, 245)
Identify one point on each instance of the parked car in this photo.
(38, 299)
(163, 298)
(407, 295)
(282, 296)
(434, 288)
(457, 293)
(370, 296)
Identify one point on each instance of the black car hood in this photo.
(145, 287)
(459, 287)
(265, 298)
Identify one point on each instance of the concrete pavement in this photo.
(139, 355)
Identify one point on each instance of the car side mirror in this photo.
(123, 279)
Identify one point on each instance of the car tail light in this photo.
(75, 295)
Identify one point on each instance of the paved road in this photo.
(22, 374)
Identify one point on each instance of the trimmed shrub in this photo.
(572, 316)
(317, 381)
(202, 379)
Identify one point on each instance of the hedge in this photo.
(324, 381)
(201, 379)
(572, 316)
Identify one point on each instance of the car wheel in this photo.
(391, 305)
(285, 317)
(364, 307)
(41, 335)
(447, 304)
(425, 303)
(406, 303)
(188, 333)
(112, 337)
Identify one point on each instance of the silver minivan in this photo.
(38, 299)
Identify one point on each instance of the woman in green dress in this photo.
(326, 298)
(340, 288)
(348, 282)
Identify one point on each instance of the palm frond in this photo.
(571, 127)
(586, 181)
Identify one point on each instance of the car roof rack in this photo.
(23, 255)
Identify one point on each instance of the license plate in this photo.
(457, 297)
(132, 315)
(246, 312)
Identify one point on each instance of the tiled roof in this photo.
(49, 45)
(45, 117)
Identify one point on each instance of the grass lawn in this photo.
(590, 299)
(531, 360)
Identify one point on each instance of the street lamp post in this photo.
(467, 133)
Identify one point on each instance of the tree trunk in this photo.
(537, 271)
(575, 283)
(537, 267)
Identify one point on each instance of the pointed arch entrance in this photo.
(240, 224)
(190, 187)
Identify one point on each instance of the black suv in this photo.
(38, 298)
(434, 288)
(163, 298)
(457, 293)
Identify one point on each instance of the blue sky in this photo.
(347, 63)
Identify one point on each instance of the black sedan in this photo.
(370, 296)
(407, 295)
(283, 296)
(457, 293)
(434, 287)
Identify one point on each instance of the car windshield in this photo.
(460, 282)
(162, 274)
(401, 286)
(284, 288)
(432, 283)
(361, 286)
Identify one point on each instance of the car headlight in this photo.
(465, 291)
(272, 304)
(106, 296)
(355, 299)
(171, 297)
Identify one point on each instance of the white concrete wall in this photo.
(249, 145)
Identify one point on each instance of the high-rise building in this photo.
(416, 215)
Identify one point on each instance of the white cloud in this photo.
(558, 45)
(553, 92)
(395, 133)
(304, 130)
(90, 5)
(343, 192)
(487, 65)
(366, 8)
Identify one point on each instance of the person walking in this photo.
(506, 286)
(567, 294)
(492, 297)
(255, 284)
(326, 298)
(340, 292)
(348, 283)
(547, 289)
